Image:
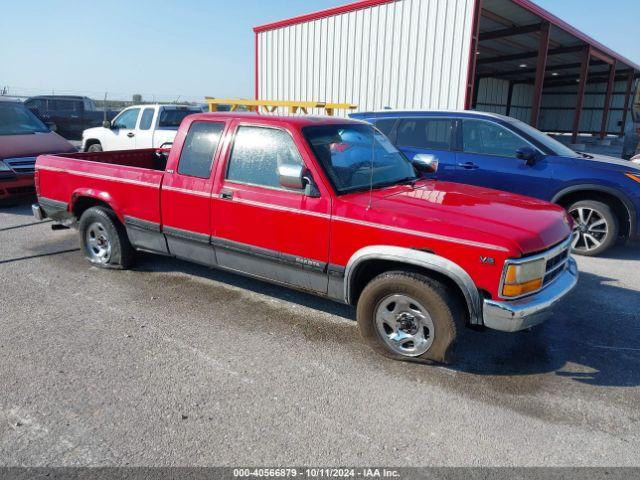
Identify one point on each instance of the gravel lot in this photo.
(176, 364)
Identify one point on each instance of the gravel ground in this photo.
(176, 364)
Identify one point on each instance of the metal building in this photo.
(504, 56)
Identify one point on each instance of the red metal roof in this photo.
(526, 4)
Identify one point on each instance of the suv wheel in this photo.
(407, 316)
(94, 147)
(104, 240)
(596, 227)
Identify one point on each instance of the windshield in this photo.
(347, 153)
(16, 119)
(555, 146)
(171, 118)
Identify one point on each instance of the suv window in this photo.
(480, 136)
(257, 153)
(199, 149)
(127, 119)
(171, 118)
(432, 134)
(385, 125)
(147, 117)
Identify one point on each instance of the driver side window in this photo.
(127, 119)
(258, 152)
(487, 138)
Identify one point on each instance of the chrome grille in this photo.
(21, 165)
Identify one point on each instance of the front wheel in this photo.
(95, 147)
(407, 316)
(104, 239)
(596, 227)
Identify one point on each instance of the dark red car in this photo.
(22, 138)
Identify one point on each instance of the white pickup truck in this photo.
(138, 126)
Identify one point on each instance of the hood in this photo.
(520, 224)
(33, 144)
(605, 160)
(89, 132)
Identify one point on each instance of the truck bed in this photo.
(129, 180)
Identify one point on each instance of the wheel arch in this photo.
(622, 205)
(83, 199)
(91, 141)
(371, 261)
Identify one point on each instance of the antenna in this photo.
(373, 152)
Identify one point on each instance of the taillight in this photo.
(36, 181)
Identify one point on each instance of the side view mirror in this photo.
(52, 126)
(106, 124)
(294, 177)
(425, 163)
(527, 154)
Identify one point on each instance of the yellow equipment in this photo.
(271, 106)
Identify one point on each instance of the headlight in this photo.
(523, 278)
(3, 167)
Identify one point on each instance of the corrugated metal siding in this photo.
(558, 105)
(408, 54)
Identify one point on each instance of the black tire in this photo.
(442, 306)
(94, 147)
(589, 242)
(100, 225)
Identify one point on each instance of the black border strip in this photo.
(273, 255)
(141, 224)
(186, 235)
(53, 204)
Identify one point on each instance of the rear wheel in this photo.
(596, 227)
(104, 239)
(407, 316)
(94, 147)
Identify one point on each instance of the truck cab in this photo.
(138, 126)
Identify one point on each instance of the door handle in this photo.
(131, 134)
(226, 194)
(469, 166)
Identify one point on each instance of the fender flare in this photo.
(428, 261)
(628, 204)
(94, 194)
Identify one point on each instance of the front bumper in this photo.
(17, 186)
(516, 315)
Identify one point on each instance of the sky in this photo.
(168, 50)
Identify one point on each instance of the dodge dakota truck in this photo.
(328, 206)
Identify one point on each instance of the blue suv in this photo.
(489, 150)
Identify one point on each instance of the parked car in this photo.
(301, 202)
(70, 114)
(139, 126)
(601, 193)
(22, 138)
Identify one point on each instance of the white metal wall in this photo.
(409, 54)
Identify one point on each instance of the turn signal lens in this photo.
(633, 176)
(522, 289)
(523, 278)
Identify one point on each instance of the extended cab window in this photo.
(199, 149)
(386, 125)
(427, 133)
(257, 154)
(147, 117)
(479, 136)
(127, 119)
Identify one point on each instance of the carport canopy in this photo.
(521, 43)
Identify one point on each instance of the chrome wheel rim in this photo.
(98, 243)
(404, 325)
(590, 231)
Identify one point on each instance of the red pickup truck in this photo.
(328, 206)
